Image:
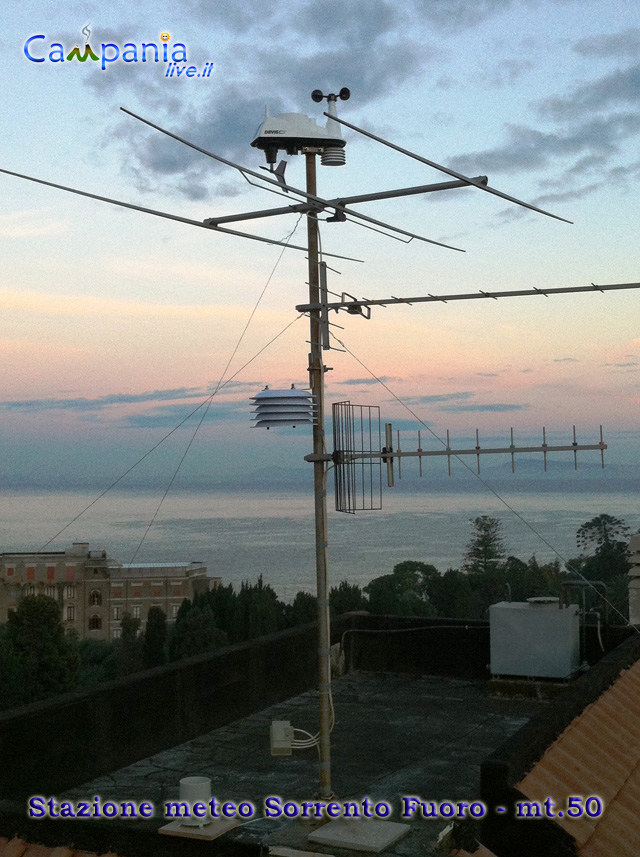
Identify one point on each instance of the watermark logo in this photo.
(174, 55)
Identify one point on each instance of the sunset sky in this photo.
(117, 324)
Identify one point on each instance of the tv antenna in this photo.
(295, 133)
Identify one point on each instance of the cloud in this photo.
(531, 149)
(170, 416)
(274, 52)
(566, 360)
(626, 42)
(507, 72)
(84, 404)
(442, 397)
(497, 408)
(620, 88)
(487, 374)
(361, 381)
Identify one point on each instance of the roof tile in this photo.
(598, 754)
(14, 848)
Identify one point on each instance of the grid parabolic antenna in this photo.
(356, 455)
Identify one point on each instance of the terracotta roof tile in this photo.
(598, 754)
(86, 854)
(14, 848)
(37, 851)
(19, 848)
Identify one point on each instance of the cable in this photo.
(206, 410)
(169, 433)
(486, 484)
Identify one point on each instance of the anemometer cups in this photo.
(317, 95)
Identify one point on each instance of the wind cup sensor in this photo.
(296, 132)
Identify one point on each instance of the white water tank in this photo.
(534, 638)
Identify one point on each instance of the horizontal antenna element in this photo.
(449, 171)
(353, 306)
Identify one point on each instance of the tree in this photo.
(608, 536)
(347, 597)
(485, 548)
(603, 531)
(223, 602)
(127, 650)
(257, 612)
(399, 593)
(304, 609)
(155, 637)
(10, 672)
(453, 596)
(195, 632)
(96, 662)
(40, 652)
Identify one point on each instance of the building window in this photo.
(116, 614)
(31, 590)
(95, 622)
(71, 572)
(71, 613)
(51, 572)
(31, 573)
(50, 591)
(70, 591)
(117, 633)
(174, 610)
(135, 612)
(95, 599)
(137, 592)
(157, 592)
(10, 572)
(177, 591)
(117, 593)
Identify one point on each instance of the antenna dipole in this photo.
(358, 307)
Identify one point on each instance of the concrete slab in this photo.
(359, 834)
(217, 827)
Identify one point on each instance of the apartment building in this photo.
(94, 590)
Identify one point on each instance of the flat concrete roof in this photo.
(395, 735)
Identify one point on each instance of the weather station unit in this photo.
(359, 453)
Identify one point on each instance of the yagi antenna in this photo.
(448, 170)
(359, 455)
(318, 203)
(202, 224)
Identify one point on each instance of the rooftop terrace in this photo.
(395, 735)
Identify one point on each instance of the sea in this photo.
(242, 534)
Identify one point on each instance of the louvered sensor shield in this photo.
(278, 408)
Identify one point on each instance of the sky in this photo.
(116, 324)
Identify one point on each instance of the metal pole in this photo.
(316, 382)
